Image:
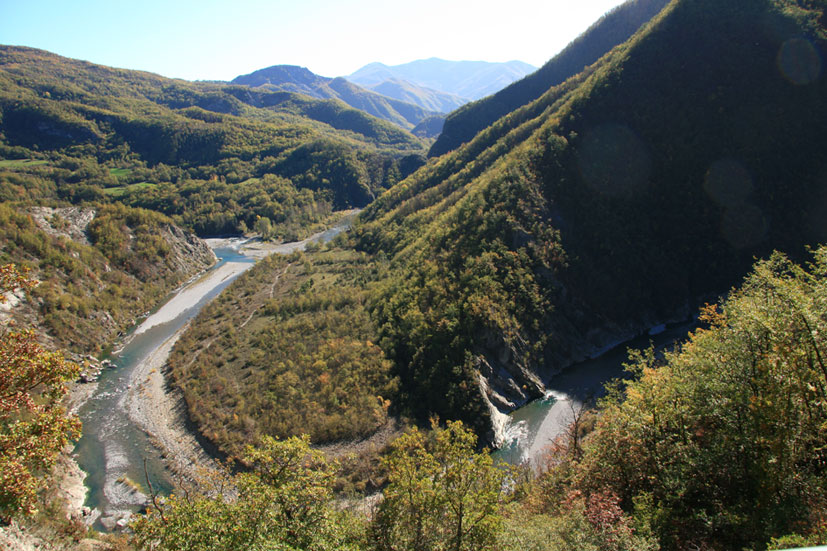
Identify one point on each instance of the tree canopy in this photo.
(441, 495)
(34, 427)
(723, 441)
(281, 503)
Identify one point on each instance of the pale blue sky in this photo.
(219, 40)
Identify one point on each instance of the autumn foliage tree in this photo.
(33, 425)
(725, 439)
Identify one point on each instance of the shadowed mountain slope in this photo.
(612, 29)
(615, 202)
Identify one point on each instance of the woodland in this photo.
(639, 178)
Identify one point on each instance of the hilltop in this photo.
(610, 30)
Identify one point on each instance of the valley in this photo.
(658, 184)
(134, 427)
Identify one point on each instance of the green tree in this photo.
(725, 439)
(281, 503)
(264, 227)
(442, 494)
(33, 425)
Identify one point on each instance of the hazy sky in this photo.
(219, 40)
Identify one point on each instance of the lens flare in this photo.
(613, 160)
(728, 183)
(799, 61)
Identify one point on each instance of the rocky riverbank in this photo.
(140, 398)
(150, 402)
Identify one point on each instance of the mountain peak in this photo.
(279, 74)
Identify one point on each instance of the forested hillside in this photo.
(214, 157)
(718, 444)
(617, 201)
(293, 349)
(601, 204)
(98, 268)
(613, 203)
(90, 141)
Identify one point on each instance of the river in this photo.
(533, 427)
(114, 449)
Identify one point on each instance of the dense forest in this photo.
(617, 201)
(598, 205)
(717, 444)
(293, 330)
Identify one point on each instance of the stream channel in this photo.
(113, 448)
(533, 427)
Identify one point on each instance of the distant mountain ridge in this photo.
(291, 78)
(427, 98)
(468, 79)
(406, 95)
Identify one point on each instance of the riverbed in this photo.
(533, 427)
(134, 425)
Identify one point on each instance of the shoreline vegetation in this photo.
(154, 405)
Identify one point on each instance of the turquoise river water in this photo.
(533, 427)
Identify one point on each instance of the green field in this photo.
(120, 191)
(21, 163)
(120, 172)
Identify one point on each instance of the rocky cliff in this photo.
(98, 269)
